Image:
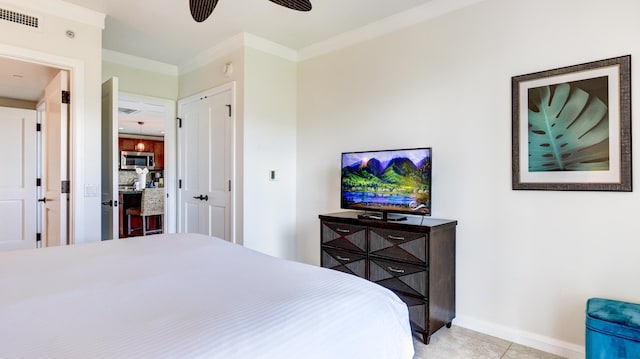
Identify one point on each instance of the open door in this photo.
(56, 173)
(110, 159)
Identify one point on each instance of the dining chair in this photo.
(151, 205)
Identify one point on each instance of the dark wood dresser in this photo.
(415, 258)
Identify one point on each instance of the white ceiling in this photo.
(163, 30)
(151, 116)
(23, 80)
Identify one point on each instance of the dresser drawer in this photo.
(343, 261)
(400, 245)
(347, 236)
(398, 276)
(417, 312)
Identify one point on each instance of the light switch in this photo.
(272, 175)
(91, 190)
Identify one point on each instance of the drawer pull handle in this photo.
(395, 270)
(344, 259)
(343, 230)
(396, 238)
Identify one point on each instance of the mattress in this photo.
(190, 296)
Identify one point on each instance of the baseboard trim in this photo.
(536, 341)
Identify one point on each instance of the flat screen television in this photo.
(389, 181)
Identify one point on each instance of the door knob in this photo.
(202, 198)
(43, 200)
(110, 203)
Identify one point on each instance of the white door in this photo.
(205, 160)
(56, 180)
(18, 180)
(110, 159)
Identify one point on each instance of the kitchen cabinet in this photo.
(157, 147)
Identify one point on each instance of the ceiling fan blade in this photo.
(201, 9)
(300, 5)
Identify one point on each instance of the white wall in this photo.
(141, 82)
(8, 102)
(526, 260)
(50, 44)
(270, 144)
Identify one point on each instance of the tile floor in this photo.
(461, 343)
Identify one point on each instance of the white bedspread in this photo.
(186, 296)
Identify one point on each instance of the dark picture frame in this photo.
(571, 128)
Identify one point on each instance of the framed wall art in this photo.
(571, 128)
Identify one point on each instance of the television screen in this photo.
(387, 181)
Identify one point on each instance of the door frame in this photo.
(170, 171)
(76, 211)
(235, 183)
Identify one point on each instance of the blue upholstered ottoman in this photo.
(613, 329)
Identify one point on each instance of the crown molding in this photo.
(60, 9)
(385, 26)
(139, 62)
(234, 43)
(220, 50)
(270, 47)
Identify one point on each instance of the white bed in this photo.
(186, 296)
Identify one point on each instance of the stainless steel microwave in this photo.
(130, 160)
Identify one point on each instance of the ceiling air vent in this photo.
(19, 18)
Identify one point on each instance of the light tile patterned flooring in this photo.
(461, 343)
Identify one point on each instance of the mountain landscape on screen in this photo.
(387, 181)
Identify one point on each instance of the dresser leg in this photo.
(448, 325)
(426, 338)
